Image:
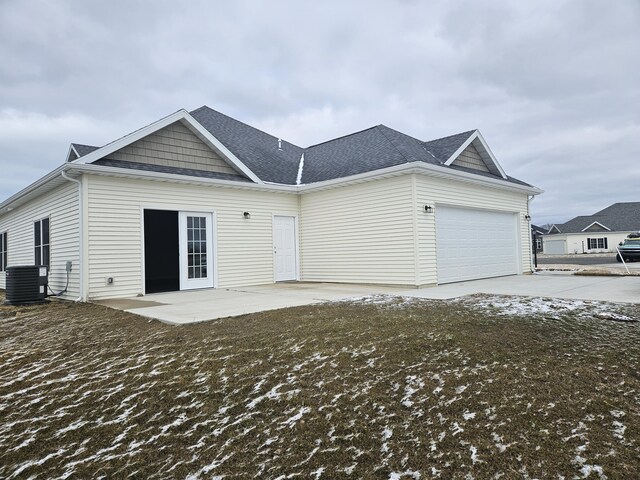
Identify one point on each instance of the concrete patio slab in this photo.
(210, 304)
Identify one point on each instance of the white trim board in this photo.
(473, 137)
(595, 223)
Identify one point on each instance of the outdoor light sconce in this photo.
(246, 215)
(428, 209)
(527, 217)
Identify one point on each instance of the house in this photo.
(597, 233)
(536, 235)
(199, 200)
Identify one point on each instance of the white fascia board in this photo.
(407, 168)
(130, 138)
(425, 169)
(476, 135)
(178, 178)
(461, 149)
(551, 228)
(596, 223)
(180, 115)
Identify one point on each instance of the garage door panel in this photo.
(555, 247)
(474, 244)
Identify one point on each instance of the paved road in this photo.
(576, 259)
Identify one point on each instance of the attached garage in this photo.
(555, 247)
(473, 244)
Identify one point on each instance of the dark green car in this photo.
(630, 248)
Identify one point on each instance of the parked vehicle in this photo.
(630, 248)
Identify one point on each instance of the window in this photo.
(600, 243)
(41, 241)
(3, 251)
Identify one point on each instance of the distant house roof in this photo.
(273, 160)
(537, 229)
(619, 217)
(78, 150)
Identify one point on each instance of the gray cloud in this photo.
(551, 84)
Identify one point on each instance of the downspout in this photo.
(80, 232)
(531, 246)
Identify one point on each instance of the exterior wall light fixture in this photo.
(246, 215)
(428, 209)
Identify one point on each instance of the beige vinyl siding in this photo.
(61, 206)
(174, 146)
(434, 191)
(470, 158)
(360, 233)
(244, 246)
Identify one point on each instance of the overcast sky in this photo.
(554, 86)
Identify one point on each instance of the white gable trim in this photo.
(598, 223)
(180, 115)
(72, 150)
(552, 227)
(476, 136)
(300, 168)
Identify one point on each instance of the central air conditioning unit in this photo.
(26, 284)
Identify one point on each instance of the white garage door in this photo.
(474, 244)
(554, 247)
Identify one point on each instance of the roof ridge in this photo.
(402, 133)
(392, 142)
(245, 124)
(343, 136)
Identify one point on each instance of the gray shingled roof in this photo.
(368, 150)
(537, 229)
(357, 153)
(256, 149)
(619, 217)
(373, 149)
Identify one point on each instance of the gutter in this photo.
(405, 168)
(80, 233)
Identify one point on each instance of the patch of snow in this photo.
(290, 422)
(407, 473)
(456, 429)
(618, 429)
(474, 454)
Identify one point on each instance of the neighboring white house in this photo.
(200, 200)
(597, 233)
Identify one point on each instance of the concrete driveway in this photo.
(547, 284)
(209, 304)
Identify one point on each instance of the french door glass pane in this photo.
(196, 247)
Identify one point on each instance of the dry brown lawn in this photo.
(378, 387)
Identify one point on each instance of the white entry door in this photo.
(284, 248)
(472, 244)
(196, 250)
